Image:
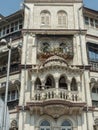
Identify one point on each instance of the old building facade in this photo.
(53, 81)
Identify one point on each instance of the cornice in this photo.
(53, 1)
(56, 102)
(91, 36)
(68, 70)
(54, 31)
(90, 12)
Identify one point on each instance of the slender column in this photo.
(69, 90)
(79, 122)
(79, 86)
(69, 83)
(27, 120)
(43, 95)
(57, 86)
(79, 90)
(34, 49)
(32, 93)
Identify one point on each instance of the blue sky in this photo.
(8, 7)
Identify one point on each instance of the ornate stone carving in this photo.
(55, 110)
(50, 46)
(14, 124)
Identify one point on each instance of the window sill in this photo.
(45, 26)
(61, 26)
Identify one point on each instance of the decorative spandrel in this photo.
(61, 46)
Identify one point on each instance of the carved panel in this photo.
(55, 45)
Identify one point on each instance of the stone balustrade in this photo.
(53, 93)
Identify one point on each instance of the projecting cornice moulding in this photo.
(55, 31)
(53, 1)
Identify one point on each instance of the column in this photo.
(43, 96)
(69, 95)
(57, 86)
(69, 83)
(21, 120)
(33, 90)
(87, 88)
(34, 50)
(79, 122)
(79, 91)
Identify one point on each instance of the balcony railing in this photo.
(95, 103)
(94, 66)
(54, 93)
(13, 104)
(13, 68)
(14, 36)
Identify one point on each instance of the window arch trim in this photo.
(45, 17)
(62, 18)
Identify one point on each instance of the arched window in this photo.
(45, 125)
(45, 47)
(45, 17)
(74, 85)
(50, 83)
(63, 47)
(66, 125)
(37, 84)
(62, 83)
(62, 18)
(95, 89)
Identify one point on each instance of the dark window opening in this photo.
(62, 83)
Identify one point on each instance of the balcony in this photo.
(56, 102)
(13, 69)
(14, 36)
(60, 94)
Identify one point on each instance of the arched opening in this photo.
(66, 125)
(45, 125)
(62, 83)
(74, 85)
(63, 47)
(45, 47)
(50, 83)
(37, 84)
(94, 94)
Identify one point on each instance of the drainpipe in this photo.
(78, 11)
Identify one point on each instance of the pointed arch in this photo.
(37, 84)
(74, 85)
(50, 82)
(62, 82)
